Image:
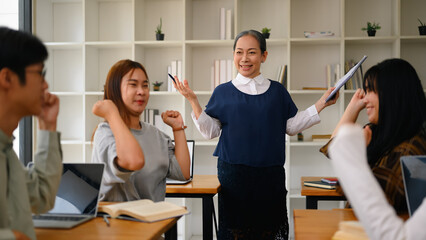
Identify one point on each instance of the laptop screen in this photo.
(191, 146)
(78, 191)
(414, 175)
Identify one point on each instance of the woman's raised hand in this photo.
(104, 108)
(184, 89)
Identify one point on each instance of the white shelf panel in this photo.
(209, 43)
(295, 194)
(315, 41)
(206, 142)
(164, 43)
(368, 40)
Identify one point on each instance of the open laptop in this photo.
(191, 145)
(414, 174)
(77, 197)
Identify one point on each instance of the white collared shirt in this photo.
(210, 127)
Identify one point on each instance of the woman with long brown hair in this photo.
(138, 156)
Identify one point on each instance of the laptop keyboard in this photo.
(58, 218)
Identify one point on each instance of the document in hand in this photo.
(345, 78)
(144, 210)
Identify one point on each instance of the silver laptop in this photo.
(413, 170)
(77, 198)
(191, 145)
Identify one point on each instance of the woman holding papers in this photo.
(137, 155)
(396, 107)
(251, 114)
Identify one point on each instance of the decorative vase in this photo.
(422, 30)
(266, 35)
(371, 33)
(159, 36)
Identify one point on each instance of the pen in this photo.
(170, 75)
(106, 220)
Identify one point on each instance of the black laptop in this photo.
(191, 145)
(414, 174)
(77, 197)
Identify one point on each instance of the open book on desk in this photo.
(144, 210)
(345, 78)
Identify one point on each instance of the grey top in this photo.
(119, 184)
(22, 190)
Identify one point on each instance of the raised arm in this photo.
(209, 127)
(352, 110)
(129, 153)
(175, 121)
(187, 92)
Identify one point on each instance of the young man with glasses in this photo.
(23, 92)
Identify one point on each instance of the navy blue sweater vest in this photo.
(253, 126)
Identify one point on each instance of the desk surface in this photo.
(313, 191)
(118, 230)
(319, 224)
(200, 184)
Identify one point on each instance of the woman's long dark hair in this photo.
(402, 105)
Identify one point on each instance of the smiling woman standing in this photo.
(251, 114)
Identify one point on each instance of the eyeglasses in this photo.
(41, 73)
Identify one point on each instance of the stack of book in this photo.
(332, 74)
(323, 34)
(326, 183)
(350, 230)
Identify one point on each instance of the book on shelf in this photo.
(331, 74)
(323, 34)
(228, 27)
(329, 180)
(221, 72)
(319, 184)
(342, 81)
(225, 24)
(321, 137)
(175, 69)
(350, 230)
(144, 210)
(222, 24)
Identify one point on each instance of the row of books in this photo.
(282, 75)
(356, 81)
(225, 24)
(221, 72)
(332, 74)
(153, 117)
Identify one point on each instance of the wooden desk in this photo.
(313, 195)
(118, 230)
(319, 224)
(204, 187)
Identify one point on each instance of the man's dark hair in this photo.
(20, 49)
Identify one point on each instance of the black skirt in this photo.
(252, 202)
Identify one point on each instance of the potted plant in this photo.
(158, 33)
(422, 28)
(157, 85)
(266, 32)
(371, 28)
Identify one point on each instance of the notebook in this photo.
(191, 144)
(77, 197)
(413, 170)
